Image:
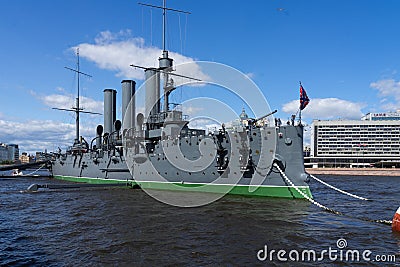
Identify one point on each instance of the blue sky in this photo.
(345, 52)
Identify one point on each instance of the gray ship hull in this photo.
(155, 171)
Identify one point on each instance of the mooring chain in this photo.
(387, 222)
(34, 171)
(337, 189)
(302, 193)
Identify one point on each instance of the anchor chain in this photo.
(35, 171)
(337, 189)
(302, 193)
(386, 222)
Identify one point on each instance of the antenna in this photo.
(165, 63)
(77, 109)
(164, 8)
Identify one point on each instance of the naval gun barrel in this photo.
(267, 115)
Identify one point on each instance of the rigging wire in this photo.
(151, 27)
(71, 92)
(184, 39)
(180, 32)
(142, 22)
(169, 35)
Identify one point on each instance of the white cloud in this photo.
(68, 101)
(38, 135)
(387, 87)
(327, 108)
(35, 135)
(204, 124)
(117, 51)
(191, 110)
(250, 75)
(389, 91)
(60, 89)
(107, 36)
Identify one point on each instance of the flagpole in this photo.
(300, 117)
(300, 108)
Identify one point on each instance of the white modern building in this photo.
(372, 141)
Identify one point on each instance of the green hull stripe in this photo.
(262, 191)
(247, 190)
(90, 180)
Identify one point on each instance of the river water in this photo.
(126, 227)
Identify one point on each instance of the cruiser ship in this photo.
(158, 149)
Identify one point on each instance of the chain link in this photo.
(387, 222)
(337, 189)
(302, 193)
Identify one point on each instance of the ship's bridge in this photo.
(173, 116)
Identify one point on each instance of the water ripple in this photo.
(126, 227)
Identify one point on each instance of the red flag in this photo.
(304, 100)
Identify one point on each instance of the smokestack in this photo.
(128, 110)
(110, 108)
(152, 92)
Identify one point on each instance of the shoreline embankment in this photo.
(354, 171)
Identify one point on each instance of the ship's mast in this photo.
(77, 99)
(77, 109)
(165, 63)
(164, 22)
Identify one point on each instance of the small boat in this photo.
(16, 172)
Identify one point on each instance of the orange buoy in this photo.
(396, 221)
